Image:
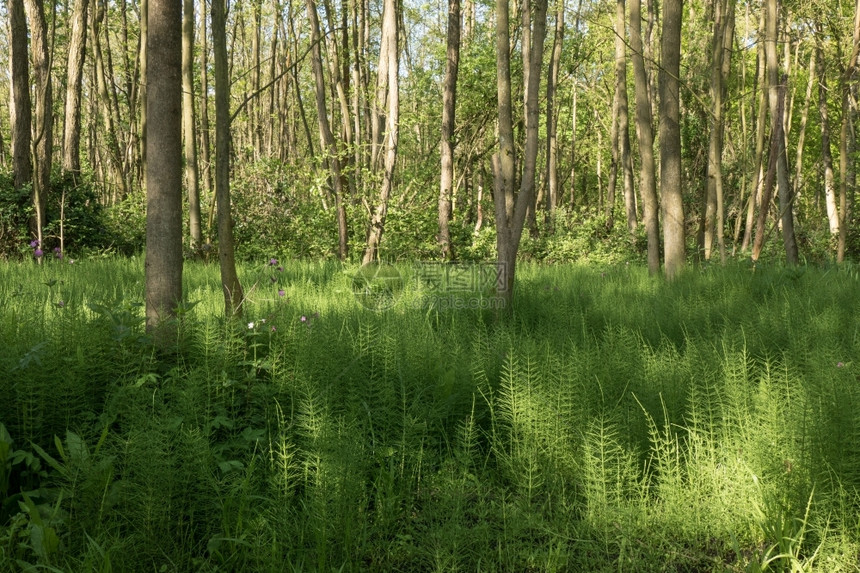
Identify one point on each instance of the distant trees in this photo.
(352, 115)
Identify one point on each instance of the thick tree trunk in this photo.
(74, 81)
(449, 104)
(164, 172)
(847, 142)
(231, 287)
(21, 110)
(191, 172)
(674, 235)
(644, 131)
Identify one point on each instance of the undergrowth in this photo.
(613, 422)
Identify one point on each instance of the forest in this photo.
(404, 285)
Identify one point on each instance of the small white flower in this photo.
(250, 325)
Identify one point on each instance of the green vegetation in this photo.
(614, 422)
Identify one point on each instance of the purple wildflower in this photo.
(281, 292)
(840, 364)
(304, 318)
(274, 329)
(61, 304)
(34, 243)
(273, 262)
(38, 253)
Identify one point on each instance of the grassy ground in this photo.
(612, 423)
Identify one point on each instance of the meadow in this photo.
(612, 422)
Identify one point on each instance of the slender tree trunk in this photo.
(846, 147)
(74, 81)
(21, 110)
(776, 140)
(801, 136)
(714, 223)
(625, 159)
(826, 155)
(231, 287)
(191, 173)
(644, 131)
(449, 104)
(43, 120)
(761, 128)
(164, 195)
(205, 146)
(674, 234)
(389, 86)
(333, 156)
(552, 193)
(785, 199)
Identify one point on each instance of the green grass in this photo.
(614, 422)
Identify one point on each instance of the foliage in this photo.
(614, 421)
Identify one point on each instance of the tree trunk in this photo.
(387, 85)
(670, 141)
(191, 172)
(552, 192)
(231, 287)
(449, 104)
(625, 159)
(43, 119)
(164, 172)
(714, 223)
(21, 111)
(761, 122)
(846, 147)
(74, 81)
(644, 131)
(785, 198)
(826, 155)
(333, 156)
(511, 209)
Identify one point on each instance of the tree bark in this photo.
(846, 147)
(625, 159)
(21, 111)
(43, 119)
(826, 154)
(449, 104)
(164, 172)
(231, 287)
(674, 235)
(328, 142)
(645, 134)
(510, 208)
(552, 193)
(388, 89)
(785, 198)
(74, 81)
(191, 171)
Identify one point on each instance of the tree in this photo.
(776, 115)
(191, 172)
(670, 140)
(328, 142)
(449, 105)
(387, 96)
(163, 267)
(552, 193)
(645, 135)
(511, 207)
(74, 81)
(21, 111)
(43, 118)
(230, 285)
